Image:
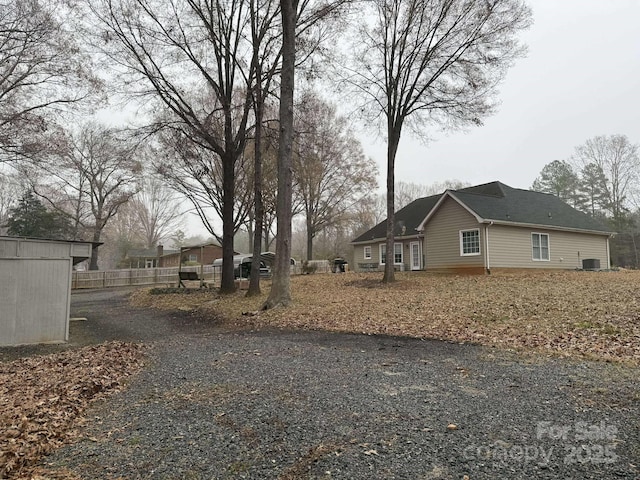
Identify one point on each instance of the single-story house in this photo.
(159, 257)
(35, 288)
(202, 254)
(146, 257)
(485, 227)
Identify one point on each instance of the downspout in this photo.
(608, 253)
(486, 257)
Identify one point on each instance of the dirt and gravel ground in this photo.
(319, 405)
(215, 401)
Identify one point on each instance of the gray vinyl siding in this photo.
(442, 237)
(358, 253)
(510, 247)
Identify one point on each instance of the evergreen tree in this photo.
(558, 178)
(31, 219)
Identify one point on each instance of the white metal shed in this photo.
(35, 288)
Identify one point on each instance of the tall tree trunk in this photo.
(280, 294)
(227, 284)
(310, 235)
(267, 240)
(392, 149)
(254, 280)
(250, 228)
(93, 263)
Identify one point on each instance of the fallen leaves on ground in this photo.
(42, 399)
(593, 314)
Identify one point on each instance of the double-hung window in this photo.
(540, 246)
(383, 253)
(470, 242)
(367, 252)
(397, 253)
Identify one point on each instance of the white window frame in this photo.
(193, 257)
(533, 247)
(471, 254)
(395, 246)
(367, 252)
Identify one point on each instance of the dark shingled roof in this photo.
(497, 202)
(502, 203)
(409, 217)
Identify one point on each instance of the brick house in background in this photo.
(145, 257)
(201, 254)
(159, 257)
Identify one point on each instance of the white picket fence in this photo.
(157, 276)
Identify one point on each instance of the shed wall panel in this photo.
(8, 248)
(34, 249)
(34, 305)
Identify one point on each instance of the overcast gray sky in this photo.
(581, 78)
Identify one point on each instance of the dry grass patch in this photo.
(595, 314)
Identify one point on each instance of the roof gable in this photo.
(408, 217)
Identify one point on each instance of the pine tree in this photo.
(558, 178)
(30, 218)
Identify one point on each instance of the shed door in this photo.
(34, 300)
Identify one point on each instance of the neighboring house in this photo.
(146, 257)
(490, 226)
(159, 257)
(201, 254)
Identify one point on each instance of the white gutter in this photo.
(546, 227)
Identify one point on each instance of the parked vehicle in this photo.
(242, 266)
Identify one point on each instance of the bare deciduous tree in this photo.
(194, 58)
(407, 192)
(92, 179)
(297, 18)
(42, 71)
(619, 161)
(196, 173)
(421, 62)
(331, 172)
(266, 51)
(157, 209)
(280, 293)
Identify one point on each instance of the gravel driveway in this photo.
(225, 404)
